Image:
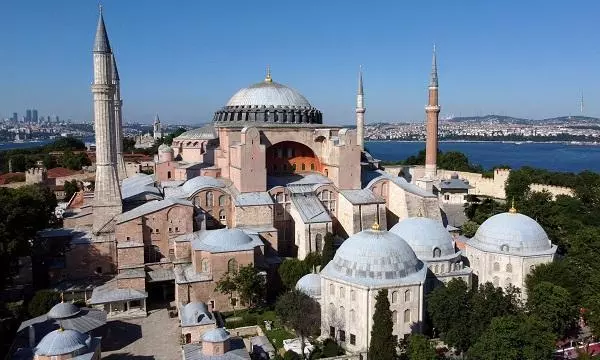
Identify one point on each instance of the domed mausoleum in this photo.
(433, 244)
(506, 247)
(365, 263)
(310, 284)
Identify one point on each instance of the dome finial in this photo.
(513, 209)
(62, 296)
(375, 226)
(420, 213)
(268, 77)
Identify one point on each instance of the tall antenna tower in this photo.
(581, 102)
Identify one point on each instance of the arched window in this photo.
(318, 242)
(312, 166)
(496, 281)
(407, 316)
(504, 248)
(436, 269)
(303, 166)
(394, 297)
(496, 266)
(352, 295)
(407, 296)
(394, 317)
(342, 292)
(352, 316)
(508, 267)
(209, 198)
(331, 289)
(508, 281)
(437, 252)
(222, 200)
(222, 217)
(342, 314)
(442, 268)
(531, 267)
(232, 266)
(168, 174)
(205, 265)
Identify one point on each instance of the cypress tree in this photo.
(383, 342)
(328, 250)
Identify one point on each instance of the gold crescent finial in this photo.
(268, 77)
(375, 226)
(420, 213)
(513, 209)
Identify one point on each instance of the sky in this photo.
(185, 59)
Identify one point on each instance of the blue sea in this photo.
(551, 156)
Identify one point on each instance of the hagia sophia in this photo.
(266, 180)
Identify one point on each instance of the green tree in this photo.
(49, 161)
(452, 325)
(514, 338)
(291, 270)
(71, 187)
(328, 250)
(250, 285)
(552, 304)
(42, 302)
(561, 273)
(227, 286)
(290, 355)
(469, 228)
(299, 312)
(383, 342)
(420, 348)
(169, 138)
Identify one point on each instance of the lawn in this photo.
(257, 317)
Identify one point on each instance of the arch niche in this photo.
(290, 157)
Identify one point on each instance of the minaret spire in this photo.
(360, 112)
(107, 193)
(432, 110)
(118, 121)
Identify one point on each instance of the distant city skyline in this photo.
(184, 62)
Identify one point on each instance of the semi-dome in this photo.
(427, 237)
(267, 102)
(206, 132)
(512, 232)
(373, 257)
(195, 313)
(215, 335)
(63, 310)
(227, 238)
(62, 341)
(310, 284)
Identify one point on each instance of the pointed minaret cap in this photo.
(434, 74)
(115, 71)
(156, 119)
(101, 43)
(513, 209)
(360, 81)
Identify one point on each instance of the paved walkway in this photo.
(155, 337)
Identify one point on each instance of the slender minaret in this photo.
(118, 104)
(107, 194)
(433, 111)
(360, 112)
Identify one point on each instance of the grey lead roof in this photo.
(206, 132)
(109, 292)
(115, 71)
(237, 351)
(101, 43)
(85, 320)
(310, 208)
(150, 207)
(225, 240)
(362, 197)
(373, 176)
(253, 199)
(454, 184)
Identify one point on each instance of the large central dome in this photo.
(267, 103)
(268, 94)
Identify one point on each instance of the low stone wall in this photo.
(360, 356)
(245, 331)
(554, 190)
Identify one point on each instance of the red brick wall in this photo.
(130, 256)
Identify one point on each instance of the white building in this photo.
(365, 263)
(506, 248)
(433, 245)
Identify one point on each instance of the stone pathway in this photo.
(155, 337)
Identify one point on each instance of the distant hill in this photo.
(501, 119)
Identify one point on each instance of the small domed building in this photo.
(365, 263)
(216, 344)
(67, 344)
(506, 248)
(310, 284)
(433, 245)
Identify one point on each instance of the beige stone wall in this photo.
(252, 215)
(346, 216)
(130, 256)
(553, 190)
(135, 283)
(183, 250)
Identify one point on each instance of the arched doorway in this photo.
(289, 157)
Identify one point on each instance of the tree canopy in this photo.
(328, 250)
(299, 312)
(383, 342)
(247, 283)
(420, 348)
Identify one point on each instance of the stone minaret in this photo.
(360, 113)
(107, 194)
(433, 111)
(118, 103)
